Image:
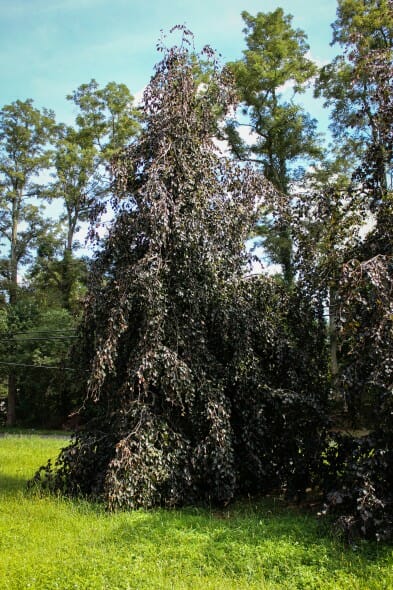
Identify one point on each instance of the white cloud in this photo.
(247, 134)
(138, 97)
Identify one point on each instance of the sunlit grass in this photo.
(53, 543)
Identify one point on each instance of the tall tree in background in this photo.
(274, 62)
(24, 136)
(107, 116)
(366, 293)
(351, 84)
(358, 87)
(73, 168)
(326, 223)
(106, 122)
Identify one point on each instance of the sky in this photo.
(49, 47)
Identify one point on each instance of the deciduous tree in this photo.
(25, 133)
(351, 84)
(106, 122)
(274, 63)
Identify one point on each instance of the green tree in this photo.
(364, 30)
(106, 122)
(107, 117)
(74, 163)
(57, 274)
(326, 222)
(25, 133)
(357, 86)
(34, 341)
(276, 57)
(24, 136)
(75, 177)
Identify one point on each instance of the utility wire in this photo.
(11, 333)
(38, 366)
(46, 339)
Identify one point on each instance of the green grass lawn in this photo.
(53, 543)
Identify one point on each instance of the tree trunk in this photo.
(13, 295)
(66, 278)
(333, 341)
(13, 284)
(11, 406)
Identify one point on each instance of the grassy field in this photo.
(52, 543)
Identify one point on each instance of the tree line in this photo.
(197, 379)
(43, 161)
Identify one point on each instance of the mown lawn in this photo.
(53, 543)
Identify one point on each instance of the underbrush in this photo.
(49, 542)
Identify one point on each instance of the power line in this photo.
(25, 365)
(33, 331)
(46, 339)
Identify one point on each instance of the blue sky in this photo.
(49, 47)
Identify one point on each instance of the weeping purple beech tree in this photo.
(157, 412)
(199, 382)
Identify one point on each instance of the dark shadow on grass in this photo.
(11, 484)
